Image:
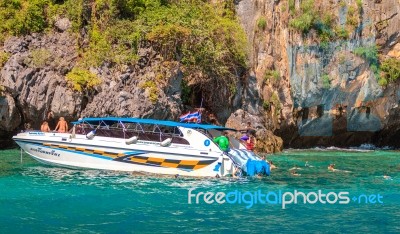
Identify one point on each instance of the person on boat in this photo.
(223, 141)
(62, 126)
(248, 140)
(51, 120)
(248, 130)
(45, 127)
(250, 143)
(243, 139)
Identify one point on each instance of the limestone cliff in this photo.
(34, 85)
(318, 78)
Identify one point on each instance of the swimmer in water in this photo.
(294, 173)
(332, 168)
(295, 168)
(272, 165)
(308, 165)
(386, 177)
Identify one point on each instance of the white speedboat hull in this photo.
(100, 156)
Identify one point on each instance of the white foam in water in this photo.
(350, 149)
(366, 147)
(387, 148)
(371, 147)
(121, 180)
(361, 148)
(333, 148)
(87, 177)
(197, 183)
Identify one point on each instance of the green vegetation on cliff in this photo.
(326, 82)
(273, 101)
(38, 58)
(386, 71)
(370, 55)
(313, 15)
(205, 38)
(152, 88)
(2, 89)
(304, 18)
(4, 56)
(391, 69)
(275, 74)
(82, 79)
(22, 17)
(261, 23)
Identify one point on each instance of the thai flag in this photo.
(194, 117)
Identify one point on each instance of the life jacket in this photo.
(250, 144)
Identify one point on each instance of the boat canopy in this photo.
(112, 120)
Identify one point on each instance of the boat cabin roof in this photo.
(112, 120)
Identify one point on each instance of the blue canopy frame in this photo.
(111, 120)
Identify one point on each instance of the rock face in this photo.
(34, 82)
(149, 89)
(10, 119)
(33, 78)
(63, 24)
(323, 94)
(307, 92)
(266, 141)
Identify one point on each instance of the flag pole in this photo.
(201, 105)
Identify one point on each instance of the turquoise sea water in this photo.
(36, 198)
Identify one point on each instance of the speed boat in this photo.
(141, 145)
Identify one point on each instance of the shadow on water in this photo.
(11, 164)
